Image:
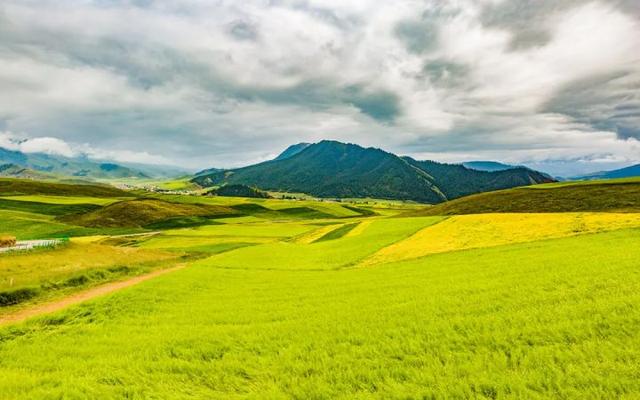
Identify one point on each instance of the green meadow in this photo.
(303, 299)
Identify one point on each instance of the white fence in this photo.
(31, 244)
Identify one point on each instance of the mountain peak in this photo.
(292, 151)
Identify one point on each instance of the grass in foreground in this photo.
(522, 321)
(26, 275)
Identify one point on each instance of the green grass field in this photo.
(327, 301)
(518, 321)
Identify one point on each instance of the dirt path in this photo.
(57, 305)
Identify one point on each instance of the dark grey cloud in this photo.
(446, 73)
(243, 30)
(608, 102)
(419, 36)
(527, 19)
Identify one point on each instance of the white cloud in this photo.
(173, 82)
(47, 145)
(58, 147)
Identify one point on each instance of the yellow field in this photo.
(31, 267)
(486, 230)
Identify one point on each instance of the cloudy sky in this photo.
(554, 84)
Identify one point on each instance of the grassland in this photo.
(521, 321)
(43, 273)
(301, 299)
(37, 267)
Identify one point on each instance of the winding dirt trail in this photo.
(57, 305)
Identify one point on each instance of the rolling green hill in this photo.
(334, 169)
(146, 212)
(13, 187)
(610, 196)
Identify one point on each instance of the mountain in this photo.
(627, 172)
(292, 151)
(489, 166)
(16, 171)
(334, 169)
(455, 180)
(83, 167)
(207, 171)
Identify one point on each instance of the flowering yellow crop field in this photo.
(486, 230)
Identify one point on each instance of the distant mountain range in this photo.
(332, 169)
(41, 166)
(489, 166)
(627, 172)
(16, 171)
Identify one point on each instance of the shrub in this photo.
(7, 241)
(11, 297)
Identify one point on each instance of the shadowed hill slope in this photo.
(144, 212)
(602, 196)
(14, 187)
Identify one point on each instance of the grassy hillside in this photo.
(13, 187)
(609, 196)
(45, 208)
(144, 212)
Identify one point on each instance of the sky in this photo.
(553, 84)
